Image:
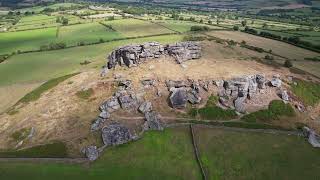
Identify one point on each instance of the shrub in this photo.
(268, 57)
(236, 28)
(288, 63)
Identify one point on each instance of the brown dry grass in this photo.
(280, 48)
(60, 115)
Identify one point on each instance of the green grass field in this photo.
(183, 26)
(26, 40)
(248, 155)
(42, 66)
(87, 33)
(158, 155)
(135, 27)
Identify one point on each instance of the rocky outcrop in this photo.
(313, 137)
(276, 81)
(178, 97)
(115, 134)
(132, 55)
(284, 95)
(110, 105)
(152, 121)
(91, 152)
(145, 107)
(184, 51)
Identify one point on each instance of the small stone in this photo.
(152, 121)
(145, 107)
(91, 153)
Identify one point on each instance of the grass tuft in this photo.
(85, 94)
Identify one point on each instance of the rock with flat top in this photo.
(110, 105)
(91, 153)
(145, 107)
(276, 81)
(178, 98)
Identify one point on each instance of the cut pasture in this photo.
(86, 33)
(277, 47)
(26, 40)
(136, 27)
(231, 155)
(183, 26)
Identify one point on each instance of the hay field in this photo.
(135, 27)
(277, 47)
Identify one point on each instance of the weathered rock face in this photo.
(276, 81)
(91, 153)
(152, 121)
(193, 97)
(96, 125)
(115, 134)
(145, 107)
(132, 55)
(175, 84)
(313, 137)
(284, 95)
(184, 51)
(178, 97)
(110, 105)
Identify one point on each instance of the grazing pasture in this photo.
(158, 155)
(35, 22)
(26, 40)
(250, 155)
(136, 27)
(183, 26)
(86, 33)
(42, 66)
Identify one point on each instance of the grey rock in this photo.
(115, 134)
(110, 105)
(313, 137)
(104, 115)
(219, 83)
(152, 121)
(91, 153)
(184, 51)
(148, 82)
(176, 84)
(145, 107)
(261, 81)
(104, 71)
(97, 124)
(284, 95)
(125, 83)
(193, 97)
(276, 81)
(178, 97)
(128, 101)
(239, 104)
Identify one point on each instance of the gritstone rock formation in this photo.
(132, 55)
(115, 134)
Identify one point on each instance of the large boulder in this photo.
(128, 101)
(239, 104)
(115, 134)
(284, 95)
(313, 137)
(178, 97)
(276, 81)
(261, 81)
(152, 121)
(91, 152)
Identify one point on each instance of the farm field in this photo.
(248, 155)
(87, 33)
(183, 26)
(26, 40)
(136, 27)
(41, 66)
(277, 47)
(158, 155)
(35, 22)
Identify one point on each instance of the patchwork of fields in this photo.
(225, 154)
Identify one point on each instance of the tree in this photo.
(65, 21)
(288, 63)
(218, 21)
(201, 20)
(244, 23)
(236, 28)
(209, 22)
(264, 25)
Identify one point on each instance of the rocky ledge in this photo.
(132, 55)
